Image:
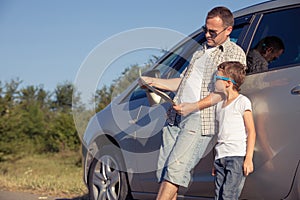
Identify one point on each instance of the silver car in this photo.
(121, 143)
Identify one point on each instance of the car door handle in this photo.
(296, 90)
(133, 121)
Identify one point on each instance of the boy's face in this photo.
(223, 83)
(220, 84)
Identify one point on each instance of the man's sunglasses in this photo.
(213, 34)
(216, 77)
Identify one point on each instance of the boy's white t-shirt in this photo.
(232, 136)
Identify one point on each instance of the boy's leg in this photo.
(234, 176)
(219, 177)
(241, 186)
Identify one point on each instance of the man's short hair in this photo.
(224, 13)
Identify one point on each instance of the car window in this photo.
(175, 63)
(234, 36)
(276, 31)
(181, 57)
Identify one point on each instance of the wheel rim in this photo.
(106, 179)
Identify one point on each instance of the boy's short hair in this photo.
(234, 70)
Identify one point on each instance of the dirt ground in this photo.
(10, 195)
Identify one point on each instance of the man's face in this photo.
(216, 33)
(272, 54)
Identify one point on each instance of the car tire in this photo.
(106, 178)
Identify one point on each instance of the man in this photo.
(185, 139)
(267, 50)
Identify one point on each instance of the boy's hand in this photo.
(213, 171)
(248, 167)
(186, 108)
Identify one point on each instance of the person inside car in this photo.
(267, 50)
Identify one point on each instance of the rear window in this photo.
(276, 29)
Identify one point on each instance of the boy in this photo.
(236, 135)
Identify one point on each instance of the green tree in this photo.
(11, 128)
(103, 97)
(62, 134)
(63, 97)
(9, 95)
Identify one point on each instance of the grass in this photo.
(52, 174)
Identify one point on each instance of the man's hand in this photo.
(145, 80)
(186, 108)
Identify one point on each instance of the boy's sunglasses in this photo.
(213, 34)
(216, 77)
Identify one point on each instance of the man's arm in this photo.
(210, 100)
(164, 84)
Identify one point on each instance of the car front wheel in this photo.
(106, 179)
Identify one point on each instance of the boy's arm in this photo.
(250, 129)
(210, 100)
(186, 108)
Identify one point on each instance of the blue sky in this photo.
(45, 42)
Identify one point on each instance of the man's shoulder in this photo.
(233, 51)
(229, 45)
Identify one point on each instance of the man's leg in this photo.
(167, 191)
(169, 137)
(186, 150)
